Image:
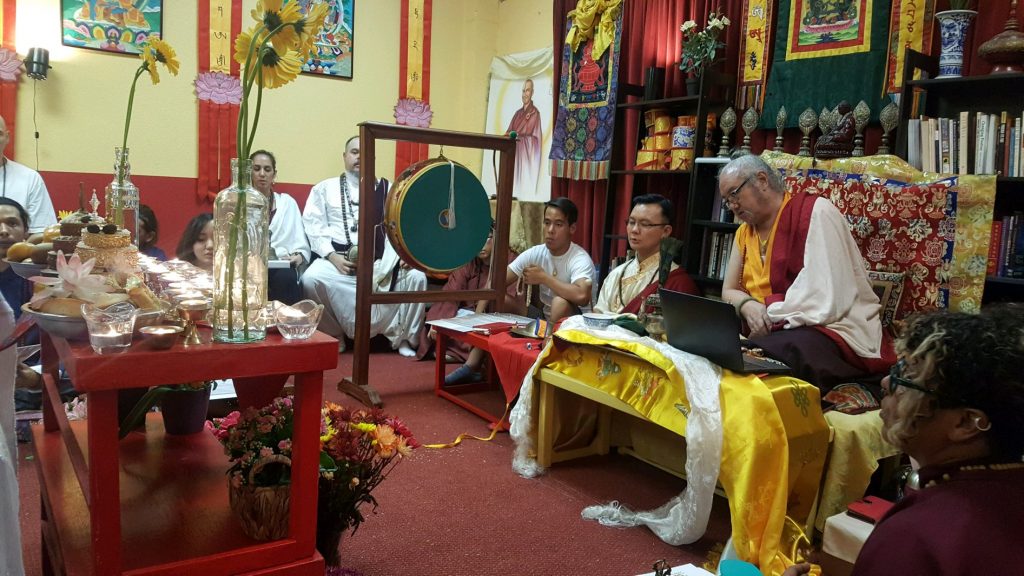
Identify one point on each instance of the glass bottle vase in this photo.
(121, 200)
(240, 243)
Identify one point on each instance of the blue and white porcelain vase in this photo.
(953, 27)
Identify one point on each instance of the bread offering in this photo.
(75, 284)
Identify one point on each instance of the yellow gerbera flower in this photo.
(273, 15)
(149, 63)
(308, 27)
(164, 54)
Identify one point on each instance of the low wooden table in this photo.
(158, 505)
(452, 393)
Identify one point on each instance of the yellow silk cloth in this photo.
(757, 272)
(593, 19)
(975, 199)
(774, 436)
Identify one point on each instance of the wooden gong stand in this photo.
(358, 385)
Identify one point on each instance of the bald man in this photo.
(24, 185)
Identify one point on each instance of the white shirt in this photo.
(573, 265)
(24, 185)
(286, 234)
(324, 218)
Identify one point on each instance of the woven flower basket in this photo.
(262, 510)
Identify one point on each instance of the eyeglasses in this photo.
(732, 195)
(643, 224)
(896, 380)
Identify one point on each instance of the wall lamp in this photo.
(37, 63)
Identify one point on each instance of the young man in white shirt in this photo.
(559, 270)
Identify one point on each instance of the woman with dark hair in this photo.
(196, 245)
(287, 238)
(955, 404)
(149, 233)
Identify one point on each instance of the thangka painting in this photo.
(120, 26)
(334, 47)
(828, 28)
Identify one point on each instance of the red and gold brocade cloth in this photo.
(933, 228)
(775, 438)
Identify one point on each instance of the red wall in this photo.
(173, 200)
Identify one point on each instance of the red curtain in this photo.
(650, 37)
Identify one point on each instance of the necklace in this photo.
(762, 245)
(5, 177)
(622, 299)
(346, 207)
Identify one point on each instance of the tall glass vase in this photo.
(240, 243)
(121, 201)
(953, 27)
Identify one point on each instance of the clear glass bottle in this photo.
(121, 201)
(241, 225)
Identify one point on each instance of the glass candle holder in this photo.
(110, 328)
(298, 321)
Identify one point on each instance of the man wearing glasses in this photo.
(797, 280)
(628, 285)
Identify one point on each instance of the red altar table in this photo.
(511, 359)
(158, 505)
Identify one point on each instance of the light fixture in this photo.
(37, 63)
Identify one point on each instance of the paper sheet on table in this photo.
(468, 323)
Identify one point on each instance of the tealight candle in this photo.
(161, 336)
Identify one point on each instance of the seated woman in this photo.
(149, 233)
(955, 404)
(196, 245)
(287, 237)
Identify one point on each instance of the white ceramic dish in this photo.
(598, 320)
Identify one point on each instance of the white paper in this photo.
(468, 323)
(274, 264)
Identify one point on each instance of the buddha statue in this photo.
(838, 142)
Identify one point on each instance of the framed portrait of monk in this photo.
(118, 26)
(334, 47)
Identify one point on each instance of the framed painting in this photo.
(119, 26)
(333, 49)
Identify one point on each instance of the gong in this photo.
(437, 215)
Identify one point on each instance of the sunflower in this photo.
(273, 15)
(308, 27)
(278, 69)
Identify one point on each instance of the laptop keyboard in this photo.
(751, 361)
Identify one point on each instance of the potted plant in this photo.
(953, 27)
(184, 408)
(699, 48)
(259, 446)
(358, 449)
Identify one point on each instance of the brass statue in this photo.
(838, 142)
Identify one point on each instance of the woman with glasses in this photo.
(628, 285)
(955, 404)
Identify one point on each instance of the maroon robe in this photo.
(678, 280)
(968, 524)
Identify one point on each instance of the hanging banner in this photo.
(219, 92)
(581, 143)
(910, 27)
(754, 55)
(819, 48)
(413, 107)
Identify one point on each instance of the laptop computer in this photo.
(710, 328)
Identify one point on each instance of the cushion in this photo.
(888, 286)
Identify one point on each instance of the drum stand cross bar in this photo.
(358, 385)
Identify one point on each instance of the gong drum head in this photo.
(418, 215)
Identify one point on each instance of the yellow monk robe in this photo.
(774, 436)
(756, 278)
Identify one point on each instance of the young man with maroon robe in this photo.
(628, 285)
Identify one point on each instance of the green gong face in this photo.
(421, 222)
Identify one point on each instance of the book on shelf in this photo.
(1006, 247)
(995, 243)
(967, 143)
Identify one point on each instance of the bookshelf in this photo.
(710, 227)
(979, 96)
(715, 90)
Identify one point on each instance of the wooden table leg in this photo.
(362, 392)
(104, 482)
(305, 460)
(545, 422)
